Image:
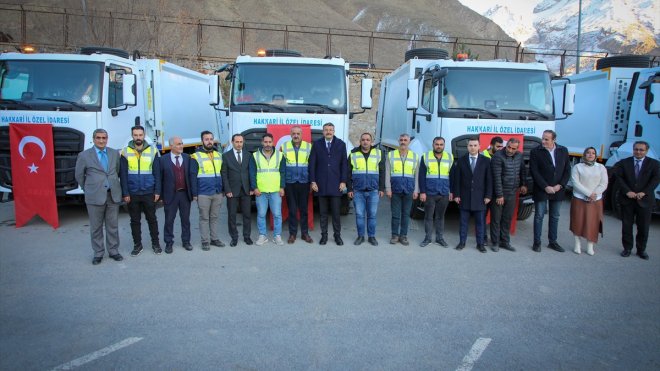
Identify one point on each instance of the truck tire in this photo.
(615, 200)
(426, 53)
(89, 50)
(525, 211)
(282, 53)
(633, 61)
(417, 210)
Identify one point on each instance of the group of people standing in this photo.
(477, 182)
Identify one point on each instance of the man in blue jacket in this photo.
(206, 166)
(434, 190)
(138, 164)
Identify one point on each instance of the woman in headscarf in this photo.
(589, 180)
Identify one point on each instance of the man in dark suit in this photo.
(177, 189)
(637, 177)
(97, 173)
(328, 174)
(235, 173)
(472, 188)
(550, 168)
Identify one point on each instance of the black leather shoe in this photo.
(625, 253)
(536, 247)
(206, 247)
(507, 246)
(358, 241)
(248, 241)
(187, 246)
(481, 248)
(157, 249)
(495, 248)
(460, 246)
(97, 261)
(555, 246)
(643, 255)
(339, 241)
(425, 243)
(324, 240)
(137, 249)
(218, 243)
(441, 241)
(233, 243)
(372, 241)
(168, 248)
(117, 257)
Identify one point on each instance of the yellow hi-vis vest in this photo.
(360, 166)
(208, 168)
(290, 154)
(405, 168)
(139, 162)
(486, 153)
(441, 171)
(268, 171)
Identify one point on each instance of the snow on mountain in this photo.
(612, 26)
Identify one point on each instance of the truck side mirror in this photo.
(652, 99)
(365, 99)
(569, 99)
(128, 89)
(214, 100)
(412, 101)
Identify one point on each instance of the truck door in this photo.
(425, 119)
(117, 118)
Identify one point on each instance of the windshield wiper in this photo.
(17, 102)
(527, 111)
(324, 106)
(77, 105)
(475, 109)
(262, 104)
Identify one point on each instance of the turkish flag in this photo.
(33, 173)
(484, 141)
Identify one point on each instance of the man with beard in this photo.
(139, 163)
(434, 190)
(294, 170)
(207, 166)
(268, 186)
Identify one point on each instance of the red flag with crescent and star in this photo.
(33, 173)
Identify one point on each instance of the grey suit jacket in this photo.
(91, 176)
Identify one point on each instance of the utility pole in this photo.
(577, 62)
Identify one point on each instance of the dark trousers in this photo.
(500, 219)
(179, 204)
(401, 204)
(297, 196)
(641, 217)
(479, 224)
(143, 204)
(245, 200)
(333, 203)
(434, 216)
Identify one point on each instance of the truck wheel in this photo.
(633, 61)
(282, 53)
(417, 210)
(426, 53)
(345, 205)
(615, 200)
(525, 211)
(89, 50)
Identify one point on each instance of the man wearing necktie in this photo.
(637, 177)
(235, 175)
(97, 173)
(177, 186)
(472, 187)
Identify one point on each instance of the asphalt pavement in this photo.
(306, 306)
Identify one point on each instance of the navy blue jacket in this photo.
(328, 169)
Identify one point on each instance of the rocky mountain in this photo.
(608, 26)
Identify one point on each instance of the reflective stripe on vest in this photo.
(403, 167)
(360, 166)
(290, 154)
(486, 153)
(208, 168)
(441, 169)
(139, 162)
(268, 171)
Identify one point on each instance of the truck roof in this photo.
(58, 56)
(448, 63)
(291, 60)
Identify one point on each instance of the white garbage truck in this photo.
(281, 87)
(99, 88)
(602, 106)
(430, 95)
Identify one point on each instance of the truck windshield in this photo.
(503, 92)
(50, 85)
(289, 88)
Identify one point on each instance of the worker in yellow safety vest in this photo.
(268, 187)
